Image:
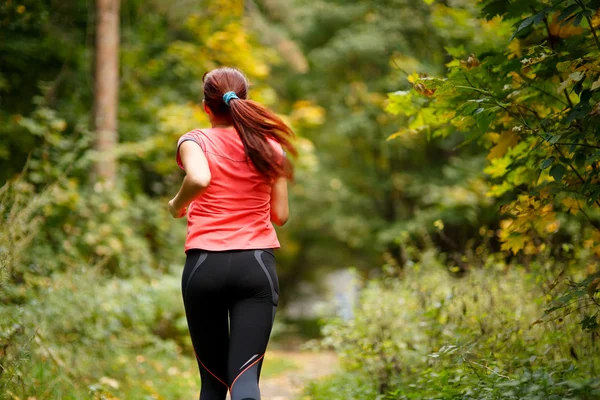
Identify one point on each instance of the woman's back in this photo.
(234, 211)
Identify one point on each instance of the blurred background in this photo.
(444, 235)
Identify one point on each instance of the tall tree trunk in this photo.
(106, 89)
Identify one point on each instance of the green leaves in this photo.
(558, 172)
(534, 19)
(547, 162)
(401, 102)
(534, 107)
(494, 8)
(567, 12)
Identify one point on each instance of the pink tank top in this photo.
(234, 213)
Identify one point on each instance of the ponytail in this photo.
(225, 92)
(257, 124)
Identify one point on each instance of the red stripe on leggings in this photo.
(204, 366)
(245, 369)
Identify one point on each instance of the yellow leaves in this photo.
(499, 190)
(402, 132)
(552, 227)
(506, 141)
(412, 78)
(401, 102)
(572, 205)
(514, 48)
(224, 41)
(513, 243)
(306, 113)
(563, 31)
(530, 218)
(497, 167)
(231, 46)
(593, 243)
(516, 78)
(596, 19)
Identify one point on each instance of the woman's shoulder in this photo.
(199, 135)
(194, 134)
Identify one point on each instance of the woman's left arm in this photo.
(197, 178)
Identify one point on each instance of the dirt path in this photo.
(288, 385)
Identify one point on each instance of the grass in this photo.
(276, 364)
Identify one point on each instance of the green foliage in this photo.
(68, 334)
(428, 335)
(89, 284)
(375, 196)
(532, 104)
(126, 236)
(123, 338)
(18, 228)
(579, 298)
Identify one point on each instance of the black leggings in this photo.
(241, 285)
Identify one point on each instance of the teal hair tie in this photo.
(228, 96)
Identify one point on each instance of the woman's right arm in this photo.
(197, 177)
(279, 202)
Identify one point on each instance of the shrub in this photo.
(431, 335)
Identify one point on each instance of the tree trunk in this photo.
(106, 89)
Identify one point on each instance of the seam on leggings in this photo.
(201, 259)
(245, 369)
(257, 255)
(208, 370)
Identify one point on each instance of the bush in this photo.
(77, 325)
(431, 335)
(92, 332)
(125, 235)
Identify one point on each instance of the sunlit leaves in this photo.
(571, 79)
(529, 217)
(507, 140)
(401, 102)
(543, 100)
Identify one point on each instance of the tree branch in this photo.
(568, 98)
(578, 144)
(578, 175)
(589, 20)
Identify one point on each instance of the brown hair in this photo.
(254, 122)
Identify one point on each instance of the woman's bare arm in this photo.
(279, 202)
(197, 178)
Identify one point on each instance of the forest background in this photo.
(449, 154)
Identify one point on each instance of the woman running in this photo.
(235, 186)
